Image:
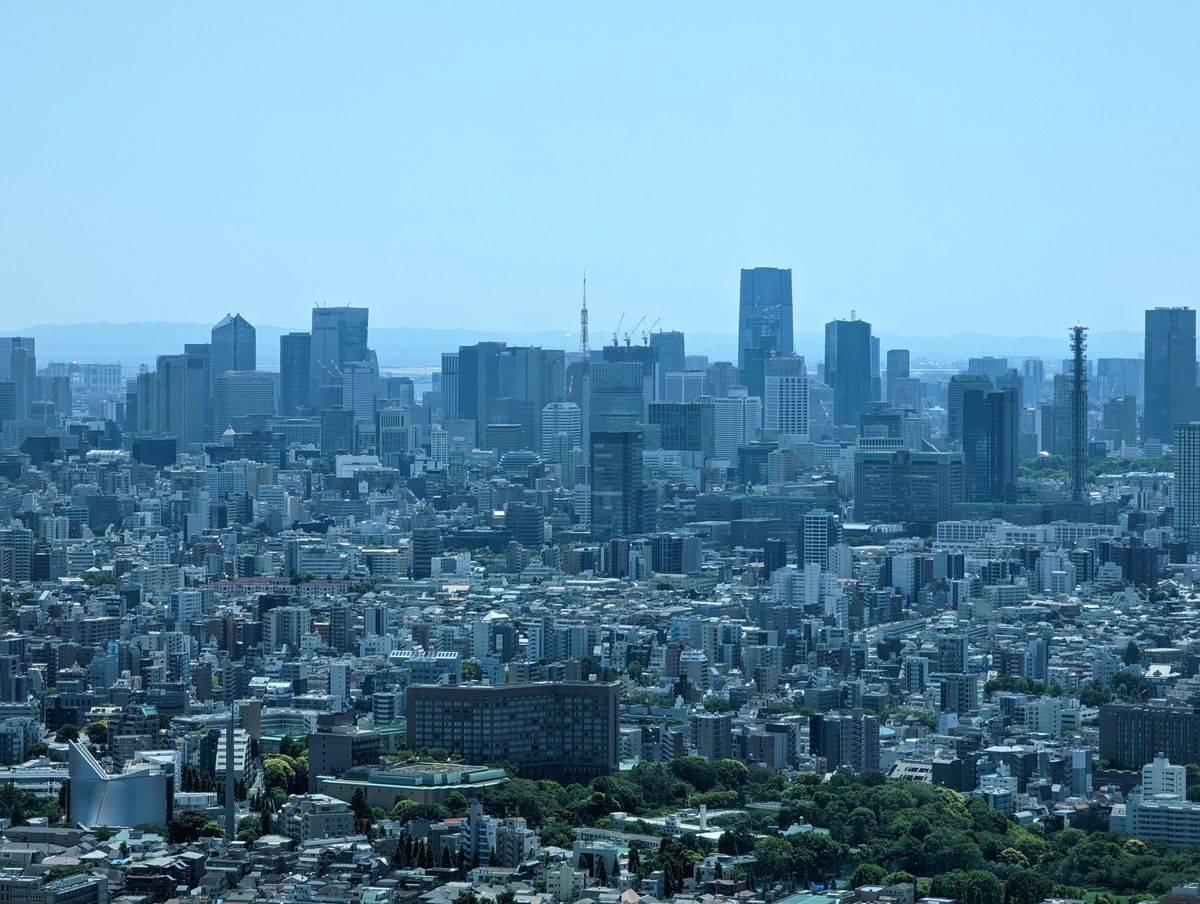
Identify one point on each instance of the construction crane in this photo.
(632, 330)
(618, 329)
(650, 329)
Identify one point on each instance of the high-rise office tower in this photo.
(671, 358)
(233, 345)
(339, 336)
(876, 379)
(959, 385)
(1119, 377)
(449, 383)
(1187, 480)
(1033, 376)
(785, 407)
(530, 379)
(684, 386)
(562, 431)
(617, 395)
(765, 310)
(295, 373)
(618, 493)
(720, 378)
(1120, 423)
(511, 385)
(203, 351)
(735, 417)
(360, 388)
(18, 365)
(685, 426)
(906, 393)
(990, 426)
(988, 366)
(337, 432)
(478, 380)
(848, 368)
(897, 369)
(818, 532)
(1170, 371)
(181, 398)
(238, 394)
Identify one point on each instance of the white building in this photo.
(1161, 779)
(786, 404)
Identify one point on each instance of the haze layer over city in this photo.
(530, 454)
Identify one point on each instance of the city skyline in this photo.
(550, 454)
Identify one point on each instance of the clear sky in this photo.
(1003, 168)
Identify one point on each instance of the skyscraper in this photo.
(181, 396)
(848, 368)
(339, 336)
(958, 386)
(876, 379)
(617, 488)
(1170, 371)
(617, 396)
(1187, 480)
(685, 426)
(238, 394)
(562, 431)
(1033, 376)
(295, 369)
(990, 421)
(785, 407)
(736, 417)
(18, 365)
(765, 310)
(671, 358)
(897, 369)
(233, 345)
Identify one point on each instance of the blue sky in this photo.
(1002, 168)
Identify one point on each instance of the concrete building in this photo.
(566, 731)
(308, 816)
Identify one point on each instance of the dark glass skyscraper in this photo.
(848, 368)
(990, 424)
(897, 369)
(339, 337)
(233, 345)
(181, 398)
(765, 310)
(1170, 371)
(618, 493)
(295, 355)
(671, 357)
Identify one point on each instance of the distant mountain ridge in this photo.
(139, 343)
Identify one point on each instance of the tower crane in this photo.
(633, 329)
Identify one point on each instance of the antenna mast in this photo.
(1078, 413)
(584, 350)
